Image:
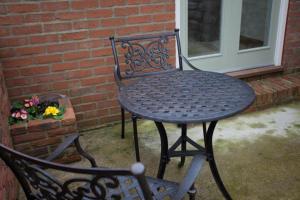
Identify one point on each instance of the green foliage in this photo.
(33, 111)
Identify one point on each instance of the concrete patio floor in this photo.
(258, 154)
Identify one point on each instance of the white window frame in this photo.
(284, 4)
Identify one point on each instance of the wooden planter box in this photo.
(40, 137)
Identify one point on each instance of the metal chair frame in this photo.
(144, 57)
(103, 183)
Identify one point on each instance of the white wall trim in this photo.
(177, 24)
(283, 12)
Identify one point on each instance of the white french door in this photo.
(229, 35)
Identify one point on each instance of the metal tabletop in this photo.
(186, 97)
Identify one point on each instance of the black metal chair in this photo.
(145, 55)
(94, 183)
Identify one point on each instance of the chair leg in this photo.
(192, 192)
(135, 136)
(123, 123)
(183, 144)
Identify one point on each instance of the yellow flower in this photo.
(51, 110)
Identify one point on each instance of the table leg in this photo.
(208, 135)
(164, 158)
(136, 141)
(183, 144)
(123, 123)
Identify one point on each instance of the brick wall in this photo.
(291, 56)
(8, 184)
(63, 46)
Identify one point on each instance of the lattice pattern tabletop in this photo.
(186, 97)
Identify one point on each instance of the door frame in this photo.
(282, 20)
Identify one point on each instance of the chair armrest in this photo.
(190, 176)
(72, 139)
(189, 64)
(63, 146)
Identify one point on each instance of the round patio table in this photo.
(185, 97)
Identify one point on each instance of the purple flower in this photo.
(35, 100)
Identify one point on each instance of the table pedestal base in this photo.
(167, 153)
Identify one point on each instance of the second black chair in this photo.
(145, 55)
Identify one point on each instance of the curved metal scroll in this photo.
(43, 185)
(140, 57)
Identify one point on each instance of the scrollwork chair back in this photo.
(145, 55)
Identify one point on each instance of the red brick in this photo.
(11, 73)
(102, 52)
(89, 44)
(164, 17)
(77, 55)
(30, 50)
(126, 11)
(150, 9)
(43, 125)
(79, 74)
(70, 15)
(23, 8)
(48, 78)
(99, 13)
(3, 9)
(17, 62)
(17, 82)
(110, 3)
(84, 4)
(11, 20)
(74, 35)
(139, 19)
(86, 24)
(57, 27)
(61, 47)
(28, 137)
(103, 70)
(101, 33)
(44, 39)
(113, 22)
(92, 81)
(63, 85)
(93, 98)
(10, 42)
(91, 63)
(48, 141)
(125, 31)
(4, 32)
(44, 17)
(6, 53)
(46, 59)
(85, 107)
(34, 71)
(64, 66)
(54, 6)
(152, 28)
(26, 30)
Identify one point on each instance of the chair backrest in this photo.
(86, 183)
(144, 55)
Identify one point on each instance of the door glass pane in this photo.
(204, 20)
(255, 23)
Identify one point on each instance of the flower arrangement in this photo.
(32, 108)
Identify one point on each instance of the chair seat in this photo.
(130, 189)
(161, 189)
